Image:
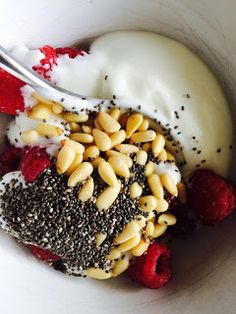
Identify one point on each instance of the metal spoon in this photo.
(43, 86)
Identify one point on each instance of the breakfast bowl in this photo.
(204, 278)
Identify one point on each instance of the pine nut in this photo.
(129, 244)
(49, 130)
(155, 185)
(65, 158)
(78, 159)
(107, 173)
(99, 238)
(135, 190)
(97, 273)
(82, 138)
(149, 169)
(144, 136)
(91, 152)
(114, 254)
(119, 166)
(126, 148)
(141, 221)
(149, 230)
(97, 124)
(109, 124)
(163, 155)
(120, 266)
(144, 126)
(57, 108)
(40, 98)
(170, 156)
(74, 117)
(87, 191)
(169, 183)
(150, 217)
(129, 231)
(182, 192)
(148, 203)
(126, 158)
(77, 146)
(75, 127)
(146, 147)
(133, 123)
(97, 161)
(102, 140)
(141, 157)
(141, 247)
(158, 144)
(162, 206)
(159, 230)
(167, 219)
(39, 112)
(87, 129)
(81, 173)
(115, 113)
(118, 137)
(108, 197)
(30, 137)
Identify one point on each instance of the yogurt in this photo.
(168, 81)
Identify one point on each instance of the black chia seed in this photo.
(48, 214)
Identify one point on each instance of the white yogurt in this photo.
(158, 73)
(171, 168)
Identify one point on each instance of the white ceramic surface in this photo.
(204, 266)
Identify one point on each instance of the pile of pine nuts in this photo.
(105, 144)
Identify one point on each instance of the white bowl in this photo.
(204, 266)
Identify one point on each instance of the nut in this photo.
(140, 248)
(117, 138)
(148, 203)
(169, 183)
(155, 185)
(29, 137)
(115, 113)
(108, 197)
(141, 157)
(57, 108)
(133, 123)
(48, 130)
(86, 191)
(129, 231)
(120, 266)
(144, 126)
(91, 152)
(74, 117)
(82, 138)
(78, 159)
(107, 173)
(108, 123)
(65, 159)
(39, 112)
(158, 144)
(126, 158)
(143, 137)
(129, 244)
(102, 140)
(126, 148)
(135, 190)
(81, 173)
(97, 273)
(167, 219)
(119, 166)
(149, 169)
(75, 145)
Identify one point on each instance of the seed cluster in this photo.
(48, 214)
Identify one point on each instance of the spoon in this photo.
(44, 87)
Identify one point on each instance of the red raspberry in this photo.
(152, 270)
(71, 51)
(10, 160)
(34, 162)
(10, 94)
(47, 62)
(211, 197)
(43, 254)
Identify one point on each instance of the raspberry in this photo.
(47, 62)
(71, 51)
(34, 162)
(210, 196)
(43, 254)
(152, 270)
(11, 99)
(10, 160)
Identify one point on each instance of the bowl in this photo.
(204, 274)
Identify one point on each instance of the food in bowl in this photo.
(96, 192)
